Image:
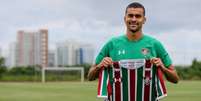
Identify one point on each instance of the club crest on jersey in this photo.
(147, 80)
(145, 51)
(121, 52)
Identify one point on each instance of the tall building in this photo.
(51, 58)
(12, 57)
(32, 48)
(85, 54)
(66, 53)
(74, 53)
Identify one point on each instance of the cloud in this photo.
(173, 15)
(175, 22)
(183, 45)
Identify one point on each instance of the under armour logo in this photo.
(121, 52)
(117, 80)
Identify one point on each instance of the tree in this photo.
(2, 66)
(195, 69)
(2, 61)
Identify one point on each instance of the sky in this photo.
(176, 23)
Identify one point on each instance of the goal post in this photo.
(81, 69)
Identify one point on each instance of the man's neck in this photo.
(134, 36)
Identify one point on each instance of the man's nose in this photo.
(133, 18)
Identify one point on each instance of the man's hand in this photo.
(106, 62)
(94, 70)
(170, 72)
(157, 62)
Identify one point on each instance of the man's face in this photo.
(134, 19)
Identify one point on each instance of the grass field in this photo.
(76, 91)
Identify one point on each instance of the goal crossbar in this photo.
(81, 69)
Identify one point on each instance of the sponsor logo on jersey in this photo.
(132, 63)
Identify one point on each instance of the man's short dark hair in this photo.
(135, 5)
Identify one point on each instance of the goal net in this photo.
(61, 73)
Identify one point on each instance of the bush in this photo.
(192, 72)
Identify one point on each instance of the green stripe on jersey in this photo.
(105, 78)
(139, 84)
(125, 84)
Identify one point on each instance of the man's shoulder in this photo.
(151, 39)
(117, 38)
(114, 41)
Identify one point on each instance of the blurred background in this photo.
(69, 33)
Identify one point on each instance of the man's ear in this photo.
(145, 19)
(124, 19)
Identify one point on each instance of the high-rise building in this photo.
(51, 58)
(66, 53)
(74, 53)
(12, 57)
(32, 48)
(85, 54)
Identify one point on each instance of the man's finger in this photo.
(108, 60)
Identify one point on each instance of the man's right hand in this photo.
(93, 71)
(106, 62)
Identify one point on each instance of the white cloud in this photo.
(175, 22)
(183, 45)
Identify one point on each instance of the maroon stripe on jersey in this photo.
(117, 91)
(117, 81)
(148, 64)
(132, 85)
(109, 91)
(160, 76)
(147, 80)
(147, 86)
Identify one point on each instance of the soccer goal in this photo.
(44, 70)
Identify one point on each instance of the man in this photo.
(129, 50)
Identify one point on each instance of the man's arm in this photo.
(94, 70)
(170, 72)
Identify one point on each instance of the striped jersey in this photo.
(131, 80)
(132, 77)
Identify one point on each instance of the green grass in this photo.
(76, 91)
(184, 91)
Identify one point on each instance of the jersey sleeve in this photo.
(163, 54)
(104, 52)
